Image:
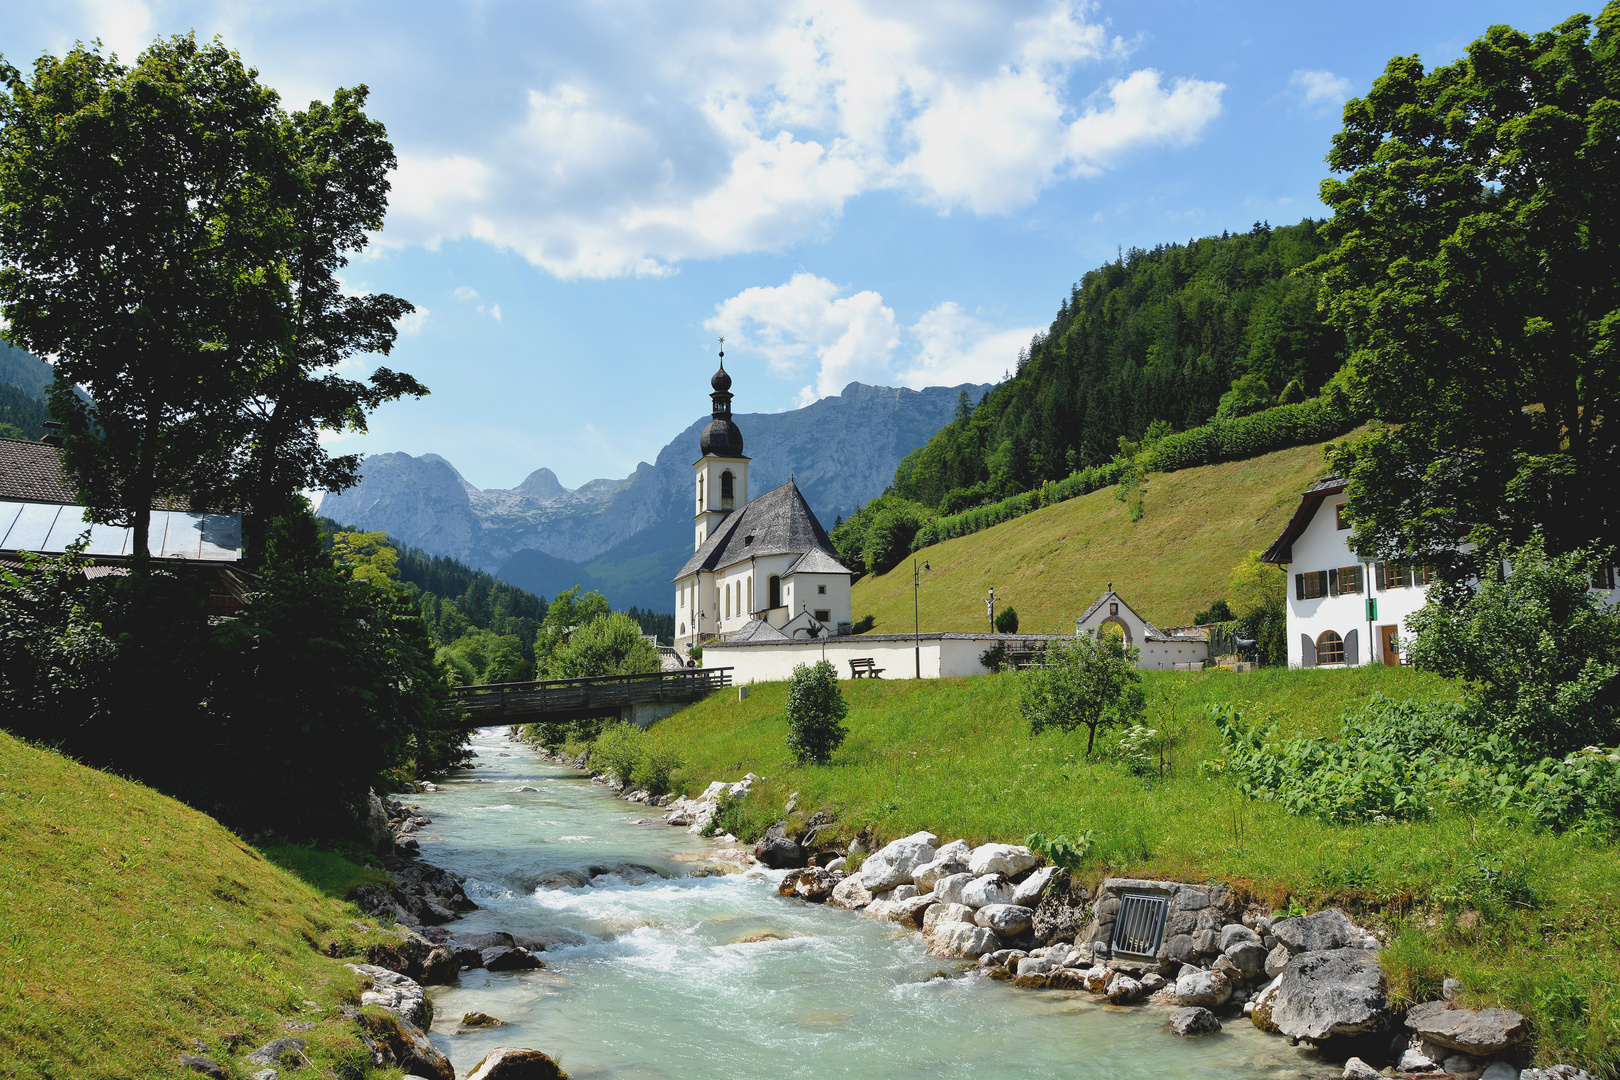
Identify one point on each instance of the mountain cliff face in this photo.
(629, 536)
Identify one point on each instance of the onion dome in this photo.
(722, 437)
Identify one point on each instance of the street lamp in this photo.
(916, 624)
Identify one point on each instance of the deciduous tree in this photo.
(1090, 682)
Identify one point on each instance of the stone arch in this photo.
(1114, 622)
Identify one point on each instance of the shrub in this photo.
(1007, 621)
(995, 657)
(653, 770)
(1060, 850)
(618, 752)
(815, 712)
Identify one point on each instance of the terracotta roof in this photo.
(1282, 548)
(32, 472)
(779, 522)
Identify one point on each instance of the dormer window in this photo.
(747, 540)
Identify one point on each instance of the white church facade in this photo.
(763, 569)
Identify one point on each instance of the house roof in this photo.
(1282, 548)
(1150, 632)
(816, 561)
(779, 522)
(754, 632)
(32, 472)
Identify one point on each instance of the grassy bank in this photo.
(1525, 918)
(1050, 565)
(131, 924)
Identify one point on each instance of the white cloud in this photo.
(715, 130)
(412, 322)
(1320, 91)
(125, 26)
(808, 325)
(467, 294)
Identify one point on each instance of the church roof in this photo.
(756, 630)
(816, 561)
(779, 522)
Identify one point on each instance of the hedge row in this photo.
(1278, 428)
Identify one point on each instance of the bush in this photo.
(1316, 420)
(815, 713)
(653, 771)
(995, 657)
(618, 752)
(1007, 621)
(1059, 850)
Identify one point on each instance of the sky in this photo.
(590, 194)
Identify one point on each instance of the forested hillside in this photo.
(1157, 336)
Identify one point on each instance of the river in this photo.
(711, 977)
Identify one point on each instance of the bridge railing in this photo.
(606, 693)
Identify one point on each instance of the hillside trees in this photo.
(1475, 266)
(171, 239)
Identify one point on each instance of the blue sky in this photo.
(589, 194)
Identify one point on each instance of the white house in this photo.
(761, 569)
(1159, 651)
(1344, 610)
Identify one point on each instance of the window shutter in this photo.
(1352, 655)
(1333, 582)
(1378, 576)
(1307, 651)
(1299, 586)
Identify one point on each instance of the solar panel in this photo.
(48, 528)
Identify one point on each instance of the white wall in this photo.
(805, 594)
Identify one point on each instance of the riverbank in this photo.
(1524, 918)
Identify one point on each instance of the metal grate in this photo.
(1139, 929)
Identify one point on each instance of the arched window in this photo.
(776, 591)
(728, 601)
(726, 490)
(750, 608)
(1329, 648)
(700, 492)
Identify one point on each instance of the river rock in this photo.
(912, 911)
(778, 850)
(1232, 933)
(1008, 859)
(440, 968)
(515, 1063)
(928, 874)
(946, 913)
(1032, 965)
(948, 889)
(1258, 1008)
(1556, 1072)
(1122, 990)
(1060, 915)
(1500, 1070)
(897, 861)
(1193, 1020)
(393, 1040)
(851, 894)
(287, 1052)
(982, 891)
(1249, 957)
(510, 958)
(1027, 893)
(1483, 1032)
(1277, 959)
(816, 884)
(1206, 988)
(1356, 1069)
(1330, 993)
(397, 993)
(956, 849)
(1007, 920)
(1330, 929)
(956, 940)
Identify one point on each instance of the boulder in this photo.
(897, 861)
(955, 940)
(1232, 933)
(379, 837)
(1122, 990)
(1008, 859)
(948, 889)
(1193, 1020)
(399, 994)
(1097, 979)
(1258, 1008)
(285, 1052)
(903, 892)
(811, 883)
(1153, 982)
(510, 958)
(266, 1074)
(928, 874)
(1330, 929)
(912, 911)
(1481, 1032)
(1206, 988)
(851, 894)
(1027, 893)
(1556, 1072)
(1414, 1060)
(1005, 919)
(1330, 993)
(1277, 959)
(1500, 1070)
(1249, 957)
(1066, 979)
(1060, 916)
(956, 850)
(440, 967)
(1180, 949)
(480, 1019)
(393, 1040)
(778, 850)
(982, 891)
(1033, 965)
(946, 913)
(514, 1063)
(1356, 1069)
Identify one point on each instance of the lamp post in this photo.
(916, 622)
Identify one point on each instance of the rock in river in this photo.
(1483, 1033)
(1193, 1020)
(898, 861)
(514, 1063)
(1198, 987)
(1335, 992)
(1008, 920)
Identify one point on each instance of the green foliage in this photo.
(1158, 336)
(52, 651)
(1472, 267)
(815, 713)
(995, 657)
(610, 644)
(1541, 653)
(879, 535)
(1217, 612)
(1257, 588)
(1249, 394)
(371, 558)
(1090, 682)
(656, 768)
(1140, 750)
(617, 752)
(1277, 428)
(1007, 620)
(1060, 850)
(569, 610)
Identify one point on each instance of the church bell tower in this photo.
(722, 471)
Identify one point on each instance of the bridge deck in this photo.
(562, 700)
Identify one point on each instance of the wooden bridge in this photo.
(637, 698)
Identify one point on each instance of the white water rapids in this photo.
(661, 981)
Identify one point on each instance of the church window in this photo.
(750, 596)
(775, 586)
(727, 490)
(823, 615)
(728, 601)
(821, 590)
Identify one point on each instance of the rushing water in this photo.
(710, 977)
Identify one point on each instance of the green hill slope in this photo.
(131, 925)
(1050, 565)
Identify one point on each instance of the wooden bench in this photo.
(864, 666)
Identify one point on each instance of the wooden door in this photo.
(1386, 638)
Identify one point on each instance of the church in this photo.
(763, 570)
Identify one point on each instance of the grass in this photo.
(1050, 565)
(1524, 918)
(131, 924)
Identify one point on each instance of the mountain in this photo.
(628, 537)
